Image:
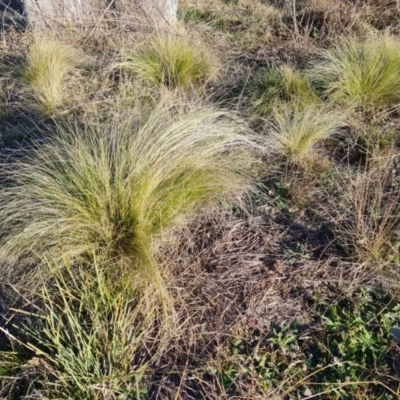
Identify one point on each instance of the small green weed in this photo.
(299, 253)
(346, 353)
(196, 16)
(244, 24)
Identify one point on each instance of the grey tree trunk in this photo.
(58, 12)
(82, 12)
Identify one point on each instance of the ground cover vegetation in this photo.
(205, 211)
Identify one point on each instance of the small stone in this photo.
(395, 333)
(307, 392)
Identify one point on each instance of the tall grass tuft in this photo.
(47, 65)
(279, 84)
(111, 189)
(82, 340)
(172, 60)
(295, 132)
(362, 72)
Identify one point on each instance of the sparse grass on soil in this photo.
(210, 211)
(367, 217)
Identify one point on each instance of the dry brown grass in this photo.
(232, 277)
(366, 217)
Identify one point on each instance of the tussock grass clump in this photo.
(46, 67)
(295, 132)
(363, 72)
(110, 189)
(279, 84)
(172, 60)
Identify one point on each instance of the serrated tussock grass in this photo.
(295, 132)
(112, 188)
(283, 83)
(171, 59)
(362, 72)
(47, 65)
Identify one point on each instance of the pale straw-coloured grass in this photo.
(45, 70)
